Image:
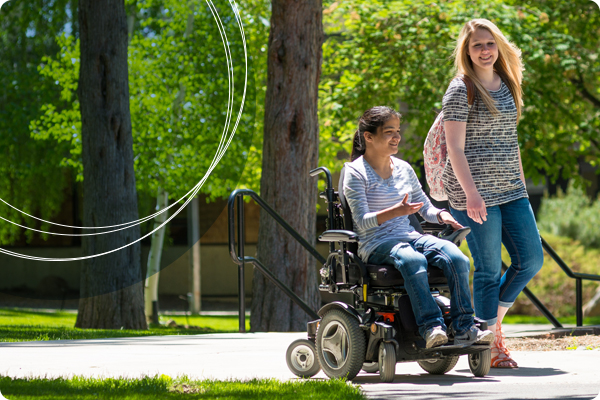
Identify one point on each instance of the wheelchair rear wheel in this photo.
(301, 358)
(340, 345)
(439, 367)
(480, 363)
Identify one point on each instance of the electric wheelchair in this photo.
(379, 329)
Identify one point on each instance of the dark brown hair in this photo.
(372, 119)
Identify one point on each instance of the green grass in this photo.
(164, 387)
(17, 325)
(528, 319)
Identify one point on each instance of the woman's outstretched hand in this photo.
(398, 210)
(406, 208)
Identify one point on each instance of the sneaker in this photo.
(435, 336)
(474, 335)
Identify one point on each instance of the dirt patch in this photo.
(587, 342)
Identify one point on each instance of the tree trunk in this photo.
(154, 257)
(290, 151)
(111, 285)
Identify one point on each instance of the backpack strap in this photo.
(470, 89)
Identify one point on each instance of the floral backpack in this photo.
(435, 151)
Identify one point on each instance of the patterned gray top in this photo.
(491, 147)
(367, 193)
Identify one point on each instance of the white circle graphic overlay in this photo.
(225, 140)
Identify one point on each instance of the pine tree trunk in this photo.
(290, 151)
(111, 285)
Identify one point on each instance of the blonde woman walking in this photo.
(484, 177)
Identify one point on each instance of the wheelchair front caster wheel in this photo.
(387, 362)
(480, 363)
(340, 345)
(371, 367)
(301, 358)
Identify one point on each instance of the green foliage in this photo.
(572, 215)
(376, 52)
(179, 94)
(31, 177)
(62, 121)
(182, 387)
(560, 42)
(256, 15)
(551, 285)
(398, 53)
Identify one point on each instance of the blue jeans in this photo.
(512, 224)
(412, 259)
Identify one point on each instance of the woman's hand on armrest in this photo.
(398, 210)
(447, 218)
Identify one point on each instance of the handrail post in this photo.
(240, 259)
(241, 279)
(579, 301)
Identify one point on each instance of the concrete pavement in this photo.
(542, 375)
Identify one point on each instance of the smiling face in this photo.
(482, 49)
(385, 141)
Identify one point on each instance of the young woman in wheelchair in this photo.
(382, 191)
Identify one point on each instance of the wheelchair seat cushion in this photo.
(388, 275)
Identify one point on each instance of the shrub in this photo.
(571, 215)
(552, 286)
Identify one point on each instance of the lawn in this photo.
(18, 325)
(27, 325)
(165, 387)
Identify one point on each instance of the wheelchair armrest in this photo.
(457, 236)
(337, 235)
(446, 232)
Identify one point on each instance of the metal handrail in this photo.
(579, 277)
(240, 259)
(537, 303)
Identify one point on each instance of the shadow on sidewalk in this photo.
(521, 371)
(424, 379)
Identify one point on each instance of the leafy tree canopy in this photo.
(399, 53)
(376, 52)
(27, 32)
(179, 95)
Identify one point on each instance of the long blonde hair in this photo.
(508, 65)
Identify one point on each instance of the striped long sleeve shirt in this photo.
(367, 193)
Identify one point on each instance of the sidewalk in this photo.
(542, 375)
